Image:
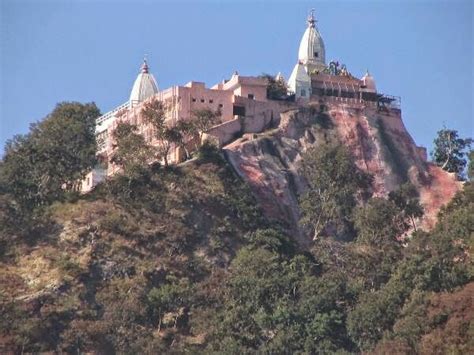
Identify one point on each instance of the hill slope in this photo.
(378, 141)
(208, 257)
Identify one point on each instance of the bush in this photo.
(209, 153)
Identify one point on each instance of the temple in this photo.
(243, 101)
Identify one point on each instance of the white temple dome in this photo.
(369, 82)
(312, 52)
(299, 82)
(144, 87)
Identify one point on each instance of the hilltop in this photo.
(210, 256)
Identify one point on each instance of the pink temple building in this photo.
(242, 100)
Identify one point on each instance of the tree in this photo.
(378, 222)
(333, 182)
(131, 152)
(39, 167)
(432, 262)
(181, 133)
(376, 312)
(187, 132)
(449, 151)
(167, 135)
(204, 119)
(274, 304)
(276, 89)
(256, 286)
(386, 219)
(377, 249)
(406, 199)
(169, 297)
(270, 239)
(470, 168)
(18, 174)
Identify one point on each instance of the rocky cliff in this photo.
(183, 260)
(378, 140)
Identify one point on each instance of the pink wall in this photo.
(259, 116)
(181, 101)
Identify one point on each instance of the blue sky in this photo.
(53, 51)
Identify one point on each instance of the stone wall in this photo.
(259, 116)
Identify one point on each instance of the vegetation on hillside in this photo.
(334, 183)
(47, 164)
(41, 166)
(181, 259)
(276, 88)
(182, 134)
(450, 151)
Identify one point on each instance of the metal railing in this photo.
(112, 113)
(384, 100)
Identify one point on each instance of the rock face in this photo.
(377, 138)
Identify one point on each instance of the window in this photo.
(239, 110)
(211, 101)
(194, 100)
(303, 92)
(202, 100)
(221, 105)
(320, 91)
(316, 54)
(251, 96)
(88, 181)
(332, 92)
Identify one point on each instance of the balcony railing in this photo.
(373, 99)
(112, 113)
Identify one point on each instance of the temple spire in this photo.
(312, 52)
(311, 20)
(144, 67)
(144, 86)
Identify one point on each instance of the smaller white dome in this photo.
(300, 82)
(369, 82)
(144, 87)
(280, 77)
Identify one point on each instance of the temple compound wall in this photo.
(242, 102)
(251, 117)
